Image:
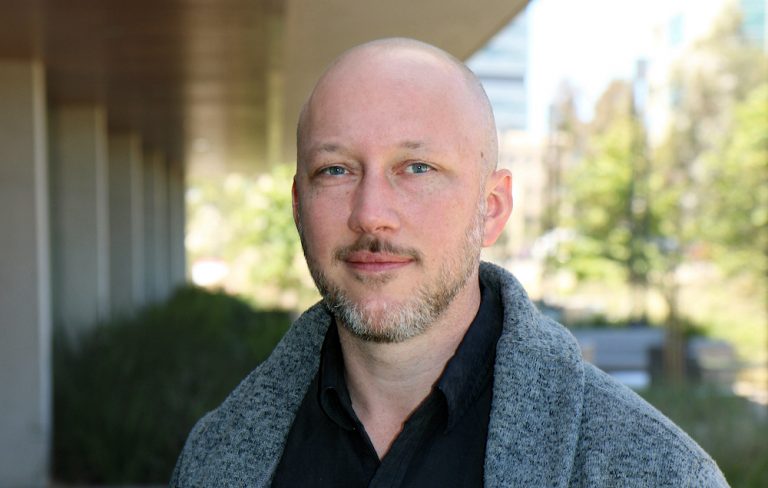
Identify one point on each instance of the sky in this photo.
(587, 42)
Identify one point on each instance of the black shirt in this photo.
(442, 443)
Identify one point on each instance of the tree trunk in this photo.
(674, 344)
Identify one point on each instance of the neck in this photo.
(388, 381)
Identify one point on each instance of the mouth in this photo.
(376, 257)
(376, 262)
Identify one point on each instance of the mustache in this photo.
(373, 244)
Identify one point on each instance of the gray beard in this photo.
(400, 322)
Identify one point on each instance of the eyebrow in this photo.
(330, 147)
(412, 145)
(327, 147)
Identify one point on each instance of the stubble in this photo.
(398, 322)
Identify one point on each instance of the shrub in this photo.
(127, 393)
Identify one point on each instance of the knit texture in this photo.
(555, 420)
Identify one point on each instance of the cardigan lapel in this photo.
(537, 395)
(279, 385)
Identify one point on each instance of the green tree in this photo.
(735, 217)
(607, 195)
(640, 212)
(709, 81)
(735, 207)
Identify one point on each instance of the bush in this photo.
(127, 393)
(733, 430)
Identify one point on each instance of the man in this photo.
(421, 366)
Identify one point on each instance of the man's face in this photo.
(389, 196)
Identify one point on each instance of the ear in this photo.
(295, 203)
(498, 200)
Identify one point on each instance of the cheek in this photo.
(451, 222)
(322, 219)
(441, 220)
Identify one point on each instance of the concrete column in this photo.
(79, 213)
(148, 201)
(156, 233)
(162, 231)
(177, 225)
(126, 223)
(275, 87)
(25, 319)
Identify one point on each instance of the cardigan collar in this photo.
(537, 394)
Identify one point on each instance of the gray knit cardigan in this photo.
(556, 421)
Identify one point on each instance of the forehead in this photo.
(387, 96)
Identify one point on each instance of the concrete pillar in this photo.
(79, 213)
(177, 225)
(156, 234)
(162, 231)
(150, 159)
(25, 319)
(275, 89)
(126, 223)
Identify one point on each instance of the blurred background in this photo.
(148, 257)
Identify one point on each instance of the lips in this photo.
(370, 255)
(376, 261)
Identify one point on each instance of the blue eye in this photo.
(334, 171)
(418, 168)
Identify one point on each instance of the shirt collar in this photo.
(470, 370)
(333, 394)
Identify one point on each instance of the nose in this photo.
(373, 206)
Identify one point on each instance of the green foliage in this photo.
(127, 393)
(608, 212)
(700, 192)
(733, 430)
(711, 171)
(735, 217)
(247, 222)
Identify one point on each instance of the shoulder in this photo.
(625, 440)
(213, 442)
(556, 417)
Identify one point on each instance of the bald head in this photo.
(409, 64)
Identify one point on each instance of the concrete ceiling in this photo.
(218, 83)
